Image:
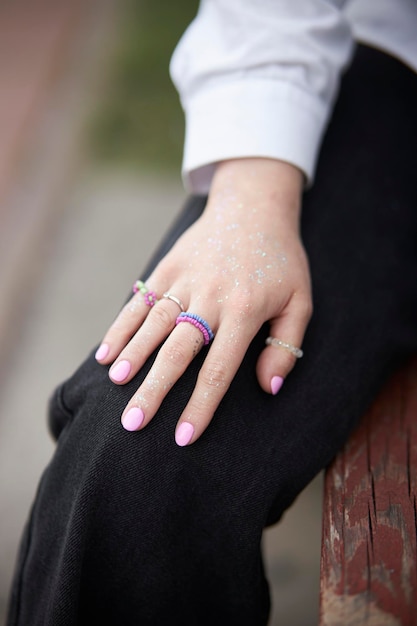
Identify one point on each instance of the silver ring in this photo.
(273, 341)
(169, 296)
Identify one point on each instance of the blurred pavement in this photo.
(76, 238)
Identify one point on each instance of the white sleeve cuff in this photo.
(252, 117)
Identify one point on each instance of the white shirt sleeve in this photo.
(258, 78)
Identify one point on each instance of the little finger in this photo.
(283, 349)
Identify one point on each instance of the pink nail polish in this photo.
(102, 352)
(276, 384)
(132, 420)
(120, 371)
(184, 433)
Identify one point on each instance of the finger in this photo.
(158, 324)
(216, 374)
(171, 362)
(277, 360)
(123, 328)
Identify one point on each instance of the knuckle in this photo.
(243, 305)
(161, 317)
(243, 298)
(177, 354)
(214, 375)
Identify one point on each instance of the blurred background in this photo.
(91, 137)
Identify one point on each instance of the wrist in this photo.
(271, 186)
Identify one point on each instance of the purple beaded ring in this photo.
(199, 323)
(148, 296)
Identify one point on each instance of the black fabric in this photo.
(128, 528)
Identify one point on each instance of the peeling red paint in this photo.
(369, 549)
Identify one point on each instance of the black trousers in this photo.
(128, 528)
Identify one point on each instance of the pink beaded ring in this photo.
(148, 295)
(199, 323)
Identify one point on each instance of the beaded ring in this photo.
(273, 341)
(148, 295)
(199, 323)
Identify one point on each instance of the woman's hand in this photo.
(240, 265)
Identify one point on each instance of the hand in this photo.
(241, 264)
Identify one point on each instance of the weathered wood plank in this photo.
(368, 561)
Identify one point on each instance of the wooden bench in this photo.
(368, 557)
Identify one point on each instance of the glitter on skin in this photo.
(266, 261)
(223, 213)
(261, 273)
(134, 305)
(153, 383)
(217, 255)
(141, 401)
(166, 385)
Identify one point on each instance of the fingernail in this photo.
(184, 433)
(132, 420)
(102, 352)
(120, 371)
(276, 384)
